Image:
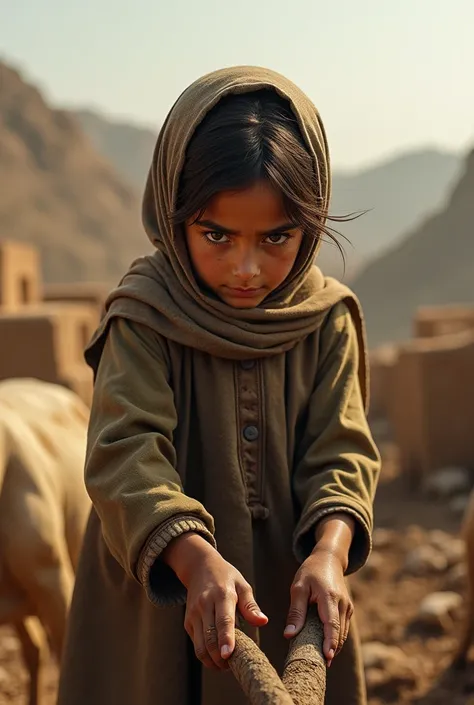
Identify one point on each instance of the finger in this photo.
(349, 613)
(225, 623)
(328, 608)
(298, 609)
(200, 648)
(342, 622)
(248, 607)
(211, 642)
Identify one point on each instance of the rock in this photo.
(375, 654)
(458, 504)
(388, 685)
(382, 538)
(10, 645)
(438, 609)
(373, 567)
(456, 579)
(414, 536)
(387, 670)
(448, 482)
(451, 547)
(425, 560)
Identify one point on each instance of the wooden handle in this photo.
(304, 674)
(304, 677)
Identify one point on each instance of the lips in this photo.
(244, 293)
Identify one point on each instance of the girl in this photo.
(229, 463)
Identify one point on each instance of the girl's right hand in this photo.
(215, 589)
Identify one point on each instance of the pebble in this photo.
(387, 669)
(458, 504)
(10, 645)
(425, 560)
(373, 567)
(438, 609)
(448, 482)
(456, 578)
(452, 548)
(375, 654)
(382, 538)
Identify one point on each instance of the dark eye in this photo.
(216, 237)
(278, 238)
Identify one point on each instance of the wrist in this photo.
(333, 536)
(184, 553)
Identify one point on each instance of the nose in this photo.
(246, 266)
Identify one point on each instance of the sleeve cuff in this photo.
(304, 542)
(161, 584)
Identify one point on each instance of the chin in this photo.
(242, 303)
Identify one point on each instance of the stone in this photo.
(438, 609)
(452, 547)
(387, 670)
(458, 504)
(373, 567)
(375, 654)
(382, 538)
(425, 560)
(448, 482)
(10, 644)
(456, 579)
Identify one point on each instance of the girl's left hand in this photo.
(320, 579)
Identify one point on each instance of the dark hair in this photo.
(243, 139)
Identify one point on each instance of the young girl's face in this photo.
(243, 245)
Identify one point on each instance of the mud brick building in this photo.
(44, 329)
(425, 388)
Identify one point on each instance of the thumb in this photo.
(298, 609)
(248, 608)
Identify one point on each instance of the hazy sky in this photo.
(385, 76)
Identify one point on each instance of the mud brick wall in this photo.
(382, 363)
(20, 275)
(93, 294)
(434, 321)
(47, 341)
(431, 404)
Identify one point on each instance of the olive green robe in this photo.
(245, 426)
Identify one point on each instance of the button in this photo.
(247, 364)
(259, 512)
(251, 433)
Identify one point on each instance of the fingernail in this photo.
(332, 654)
(225, 651)
(290, 629)
(260, 614)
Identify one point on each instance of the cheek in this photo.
(204, 258)
(282, 264)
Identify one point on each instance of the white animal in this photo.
(43, 512)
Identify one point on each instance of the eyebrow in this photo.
(211, 225)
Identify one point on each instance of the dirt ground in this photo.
(386, 599)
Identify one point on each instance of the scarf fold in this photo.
(161, 291)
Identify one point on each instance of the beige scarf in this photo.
(160, 291)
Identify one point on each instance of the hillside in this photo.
(400, 191)
(433, 264)
(58, 192)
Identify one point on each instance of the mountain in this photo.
(432, 265)
(59, 193)
(128, 147)
(398, 192)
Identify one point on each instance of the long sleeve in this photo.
(130, 470)
(337, 464)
